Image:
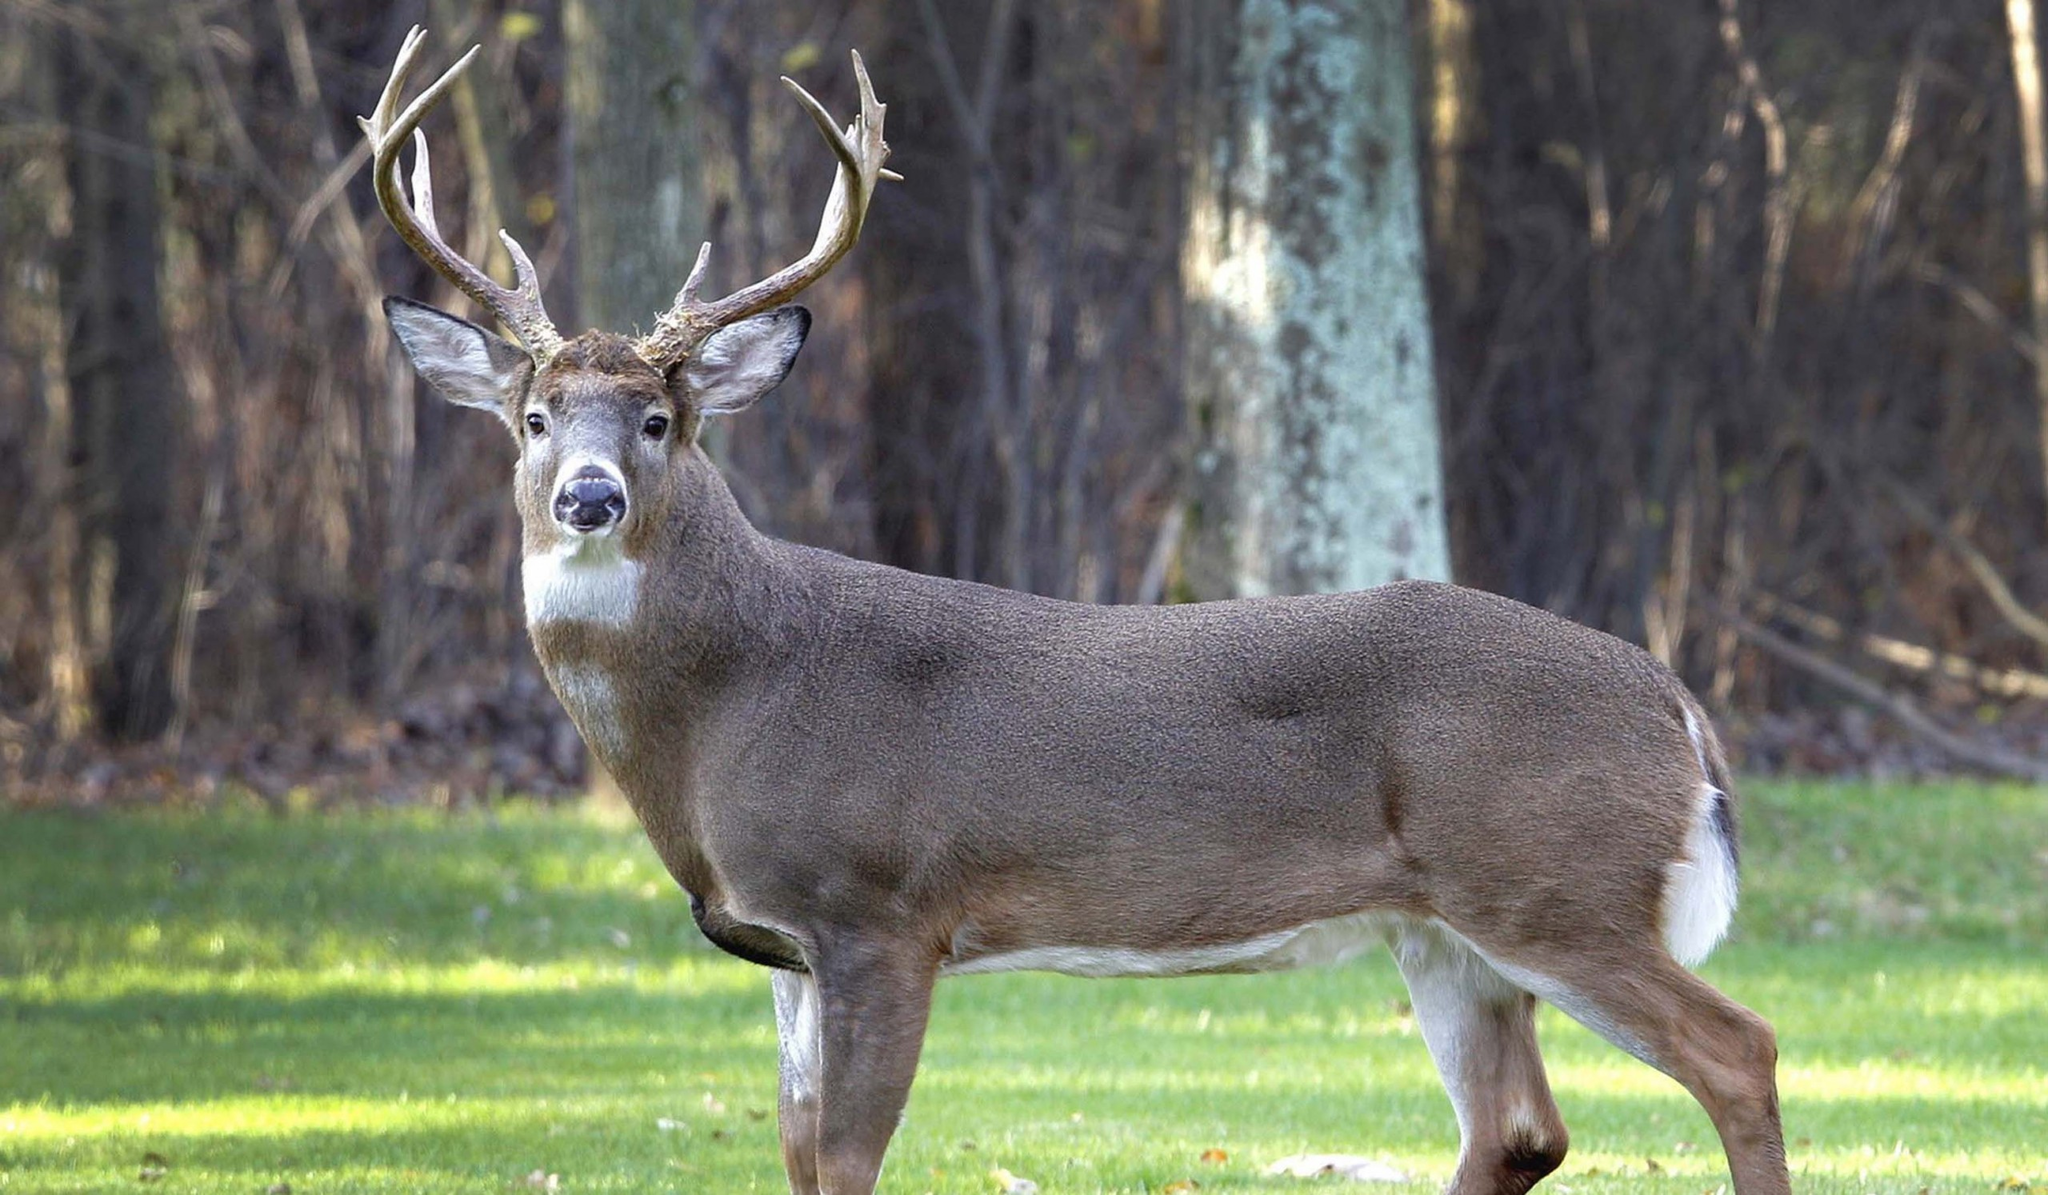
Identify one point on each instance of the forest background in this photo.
(1739, 317)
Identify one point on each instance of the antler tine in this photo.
(860, 152)
(871, 113)
(841, 147)
(520, 309)
(423, 187)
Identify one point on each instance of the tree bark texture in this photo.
(124, 390)
(632, 116)
(1308, 367)
(2026, 79)
(922, 414)
(632, 108)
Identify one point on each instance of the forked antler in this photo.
(519, 309)
(861, 152)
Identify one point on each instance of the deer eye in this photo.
(535, 425)
(655, 427)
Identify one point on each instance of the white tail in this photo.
(1699, 896)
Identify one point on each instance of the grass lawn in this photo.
(399, 1002)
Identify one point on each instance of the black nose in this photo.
(589, 500)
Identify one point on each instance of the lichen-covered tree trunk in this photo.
(1308, 371)
(631, 108)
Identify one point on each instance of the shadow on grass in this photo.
(232, 890)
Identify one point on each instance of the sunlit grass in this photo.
(386, 1002)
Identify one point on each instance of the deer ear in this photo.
(468, 365)
(740, 362)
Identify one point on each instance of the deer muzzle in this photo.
(591, 500)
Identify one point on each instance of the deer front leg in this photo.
(873, 1000)
(796, 1029)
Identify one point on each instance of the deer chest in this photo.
(591, 695)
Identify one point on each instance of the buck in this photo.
(867, 779)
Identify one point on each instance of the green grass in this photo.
(387, 1002)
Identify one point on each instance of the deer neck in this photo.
(643, 637)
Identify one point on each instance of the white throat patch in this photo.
(588, 579)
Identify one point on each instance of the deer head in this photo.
(606, 424)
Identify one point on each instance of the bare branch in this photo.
(1778, 193)
(1998, 682)
(1903, 709)
(1986, 574)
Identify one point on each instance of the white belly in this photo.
(1319, 943)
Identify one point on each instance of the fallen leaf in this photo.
(1357, 1169)
(1651, 1165)
(669, 1124)
(541, 1180)
(713, 1104)
(278, 1189)
(150, 1174)
(1010, 1184)
(1215, 1157)
(1180, 1187)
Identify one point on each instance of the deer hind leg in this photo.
(796, 1029)
(874, 1001)
(1481, 1031)
(1726, 1056)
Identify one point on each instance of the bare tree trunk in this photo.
(2026, 80)
(632, 98)
(631, 94)
(1006, 424)
(1308, 364)
(124, 395)
(1455, 124)
(69, 669)
(928, 470)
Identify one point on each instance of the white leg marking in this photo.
(587, 693)
(1700, 889)
(1551, 991)
(797, 1028)
(1448, 984)
(586, 579)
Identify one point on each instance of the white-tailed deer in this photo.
(867, 779)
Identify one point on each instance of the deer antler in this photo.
(519, 309)
(861, 152)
